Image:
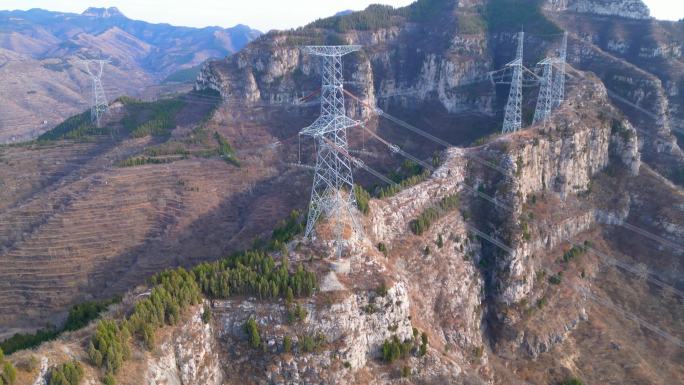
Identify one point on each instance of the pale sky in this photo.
(260, 14)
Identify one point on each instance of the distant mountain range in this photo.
(40, 50)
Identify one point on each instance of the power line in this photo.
(481, 194)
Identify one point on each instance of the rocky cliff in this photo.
(632, 9)
(438, 68)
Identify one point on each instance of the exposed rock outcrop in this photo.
(188, 356)
(632, 9)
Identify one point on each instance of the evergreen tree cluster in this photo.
(362, 198)
(253, 273)
(69, 373)
(432, 214)
(376, 16)
(79, 315)
(409, 174)
(174, 290)
(76, 127)
(151, 118)
(286, 230)
(393, 349)
(252, 331)
(248, 273)
(576, 251)
(109, 346)
(225, 150)
(143, 160)
(8, 374)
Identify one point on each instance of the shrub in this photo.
(141, 161)
(109, 380)
(423, 344)
(252, 331)
(9, 373)
(296, 314)
(405, 371)
(381, 290)
(555, 279)
(393, 349)
(572, 381)
(382, 248)
(310, 343)
(206, 314)
(69, 373)
(287, 344)
(573, 253)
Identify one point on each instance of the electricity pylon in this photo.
(332, 192)
(544, 101)
(99, 104)
(558, 92)
(513, 115)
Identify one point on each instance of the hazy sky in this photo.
(260, 14)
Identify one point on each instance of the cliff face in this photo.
(632, 9)
(187, 355)
(410, 62)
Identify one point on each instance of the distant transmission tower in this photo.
(544, 101)
(99, 100)
(558, 92)
(513, 115)
(333, 176)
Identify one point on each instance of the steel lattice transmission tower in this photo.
(544, 101)
(513, 114)
(99, 100)
(332, 192)
(558, 93)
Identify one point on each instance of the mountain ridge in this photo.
(142, 55)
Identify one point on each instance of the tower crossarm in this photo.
(324, 125)
(330, 50)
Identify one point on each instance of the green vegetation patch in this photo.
(512, 15)
(186, 75)
(374, 17)
(226, 150)
(393, 349)
(432, 214)
(76, 127)
(69, 373)
(253, 273)
(79, 316)
(150, 118)
(362, 197)
(8, 373)
(409, 174)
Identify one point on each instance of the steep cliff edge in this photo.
(631, 9)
